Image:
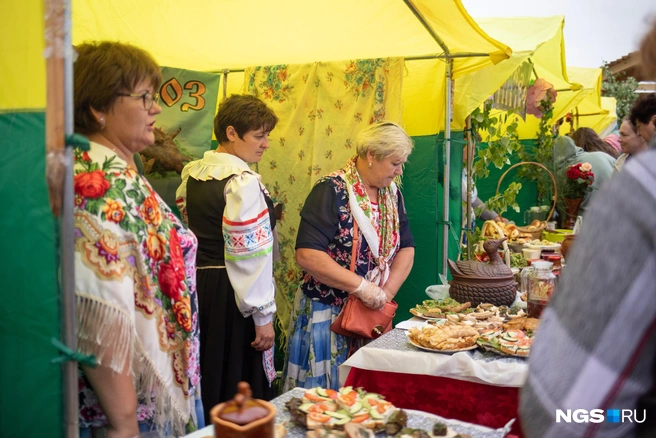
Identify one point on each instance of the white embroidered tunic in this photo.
(246, 231)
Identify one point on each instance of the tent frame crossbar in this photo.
(407, 58)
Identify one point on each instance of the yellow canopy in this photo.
(212, 35)
(209, 35)
(535, 39)
(593, 110)
(538, 40)
(23, 67)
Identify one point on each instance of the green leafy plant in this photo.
(542, 153)
(622, 91)
(500, 134)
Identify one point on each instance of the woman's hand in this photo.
(371, 295)
(264, 336)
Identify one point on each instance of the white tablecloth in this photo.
(393, 353)
(416, 419)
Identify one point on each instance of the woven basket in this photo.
(535, 234)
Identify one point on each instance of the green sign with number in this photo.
(188, 100)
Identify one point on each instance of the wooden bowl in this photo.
(262, 428)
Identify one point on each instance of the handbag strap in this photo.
(356, 241)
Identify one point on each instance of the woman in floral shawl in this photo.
(363, 192)
(134, 260)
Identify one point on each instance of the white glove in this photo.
(371, 295)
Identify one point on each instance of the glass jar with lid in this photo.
(541, 285)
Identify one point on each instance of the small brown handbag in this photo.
(357, 320)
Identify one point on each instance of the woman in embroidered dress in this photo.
(364, 192)
(231, 213)
(134, 260)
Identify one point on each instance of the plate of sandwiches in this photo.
(513, 339)
(439, 309)
(322, 408)
(447, 338)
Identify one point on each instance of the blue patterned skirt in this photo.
(315, 352)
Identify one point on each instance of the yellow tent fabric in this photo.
(208, 35)
(593, 110)
(22, 43)
(539, 39)
(602, 119)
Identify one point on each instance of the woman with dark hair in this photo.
(134, 260)
(589, 141)
(228, 208)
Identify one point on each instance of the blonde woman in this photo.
(363, 192)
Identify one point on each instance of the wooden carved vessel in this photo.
(479, 282)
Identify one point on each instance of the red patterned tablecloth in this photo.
(472, 386)
(487, 405)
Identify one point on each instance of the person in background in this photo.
(631, 142)
(589, 141)
(362, 192)
(596, 344)
(477, 204)
(567, 153)
(231, 213)
(134, 260)
(613, 140)
(643, 116)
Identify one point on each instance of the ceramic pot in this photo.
(566, 244)
(572, 206)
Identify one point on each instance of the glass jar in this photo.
(541, 285)
(557, 265)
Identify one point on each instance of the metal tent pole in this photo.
(59, 165)
(67, 239)
(447, 167)
(447, 55)
(470, 159)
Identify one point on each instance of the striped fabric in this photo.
(249, 238)
(315, 352)
(596, 344)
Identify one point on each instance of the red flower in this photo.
(85, 157)
(171, 275)
(359, 189)
(91, 184)
(182, 310)
(573, 172)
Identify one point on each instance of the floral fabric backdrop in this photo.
(321, 108)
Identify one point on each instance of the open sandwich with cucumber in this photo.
(352, 413)
(330, 409)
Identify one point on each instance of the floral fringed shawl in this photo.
(136, 292)
(382, 237)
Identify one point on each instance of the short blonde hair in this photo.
(384, 139)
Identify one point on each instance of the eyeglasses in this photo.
(148, 98)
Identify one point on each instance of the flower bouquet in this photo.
(540, 98)
(577, 185)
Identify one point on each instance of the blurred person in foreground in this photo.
(596, 344)
(362, 192)
(589, 141)
(643, 116)
(631, 143)
(227, 207)
(134, 260)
